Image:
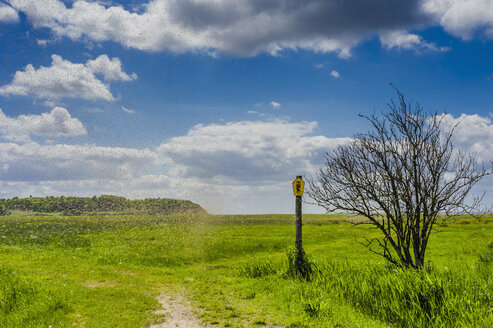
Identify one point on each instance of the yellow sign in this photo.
(298, 186)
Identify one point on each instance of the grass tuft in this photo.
(258, 268)
(298, 266)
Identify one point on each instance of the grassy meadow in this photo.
(107, 271)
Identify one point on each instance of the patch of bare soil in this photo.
(97, 284)
(178, 313)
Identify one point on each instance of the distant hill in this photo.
(101, 204)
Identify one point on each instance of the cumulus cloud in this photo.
(473, 133)
(8, 14)
(462, 18)
(64, 79)
(248, 151)
(335, 74)
(110, 69)
(241, 27)
(275, 105)
(57, 123)
(404, 40)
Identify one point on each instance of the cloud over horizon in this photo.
(207, 163)
(215, 165)
(61, 162)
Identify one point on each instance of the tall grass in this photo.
(462, 297)
(410, 298)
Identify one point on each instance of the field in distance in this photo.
(109, 270)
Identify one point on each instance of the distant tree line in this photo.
(104, 203)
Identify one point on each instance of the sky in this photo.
(225, 102)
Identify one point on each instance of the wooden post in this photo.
(298, 186)
(298, 242)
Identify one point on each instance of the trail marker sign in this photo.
(298, 186)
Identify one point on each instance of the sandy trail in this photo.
(178, 312)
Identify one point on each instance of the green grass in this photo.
(106, 271)
(29, 301)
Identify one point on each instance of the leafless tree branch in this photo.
(402, 176)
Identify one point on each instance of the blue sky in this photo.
(223, 102)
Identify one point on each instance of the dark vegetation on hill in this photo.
(103, 203)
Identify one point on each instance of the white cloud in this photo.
(254, 112)
(64, 79)
(110, 69)
(127, 110)
(8, 14)
(248, 151)
(57, 123)
(473, 133)
(241, 27)
(335, 74)
(275, 105)
(50, 103)
(42, 42)
(404, 40)
(462, 18)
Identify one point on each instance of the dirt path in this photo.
(178, 313)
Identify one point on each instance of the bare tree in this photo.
(402, 176)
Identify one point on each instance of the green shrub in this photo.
(3, 210)
(298, 266)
